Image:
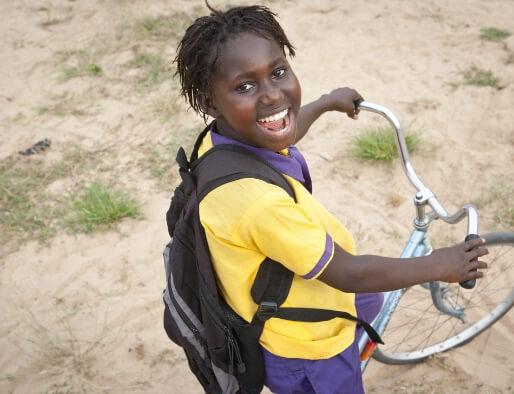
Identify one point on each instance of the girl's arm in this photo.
(342, 100)
(362, 274)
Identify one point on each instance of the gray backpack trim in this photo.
(184, 329)
(228, 383)
(182, 304)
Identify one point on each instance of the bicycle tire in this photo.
(404, 346)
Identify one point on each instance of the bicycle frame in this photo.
(418, 244)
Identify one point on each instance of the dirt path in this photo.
(82, 312)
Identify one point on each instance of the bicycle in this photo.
(435, 317)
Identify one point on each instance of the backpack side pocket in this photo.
(183, 316)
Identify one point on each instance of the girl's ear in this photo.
(207, 106)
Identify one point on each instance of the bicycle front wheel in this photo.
(419, 328)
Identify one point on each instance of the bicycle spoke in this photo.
(410, 306)
(417, 321)
(417, 324)
(476, 289)
(407, 338)
(428, 337)
(420, 320)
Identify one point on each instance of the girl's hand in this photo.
(345, 100)
(459, 263)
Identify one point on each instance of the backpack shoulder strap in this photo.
(226, 163)
(198, 142)
(271, 288)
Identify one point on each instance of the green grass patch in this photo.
(27, 210)
(80, 63)
(493, 34)
(163, 27)
(101, 207)
(82, 70)
(155, 69)
(477, 77)
(379, 144)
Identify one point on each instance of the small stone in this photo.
(326, 156)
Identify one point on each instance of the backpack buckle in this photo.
(266, 310)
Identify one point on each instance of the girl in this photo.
(233, 67)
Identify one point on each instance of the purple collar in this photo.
(293, 165)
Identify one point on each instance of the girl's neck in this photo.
(225, 130)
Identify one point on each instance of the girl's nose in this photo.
(271, 94)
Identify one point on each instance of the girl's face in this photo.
(255, 94)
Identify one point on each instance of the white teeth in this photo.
(272, 118)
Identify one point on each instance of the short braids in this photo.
(198, 51)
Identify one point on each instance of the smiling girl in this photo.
(233, 67)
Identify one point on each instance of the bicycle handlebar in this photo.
(424, 194)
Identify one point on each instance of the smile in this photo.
(277, 116)
(276, 123)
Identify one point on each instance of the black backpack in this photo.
(222, 349)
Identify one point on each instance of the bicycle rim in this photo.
(418, 329)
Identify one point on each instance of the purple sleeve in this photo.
(324, 259)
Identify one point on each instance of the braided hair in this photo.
(198, 51)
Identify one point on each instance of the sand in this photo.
(82, 312)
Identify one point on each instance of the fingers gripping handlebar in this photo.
(424, 194)
(469, 284)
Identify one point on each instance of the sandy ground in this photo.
(82, 313)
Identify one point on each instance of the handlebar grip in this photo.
(469, 284)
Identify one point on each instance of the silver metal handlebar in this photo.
(424, 194)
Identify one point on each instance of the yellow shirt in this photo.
(248, 219)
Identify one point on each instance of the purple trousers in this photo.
(339, 374)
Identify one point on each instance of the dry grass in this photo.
(64, 354)
(58, 351)
(64, 105)
(497, 206)
(154, 69)
(29, 211)
(79, 63)
(394, 200)
(167, 108)
(475, 76)
(32, 211)
(158, 159)
(162, 27)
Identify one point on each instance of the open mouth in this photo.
(277, 123)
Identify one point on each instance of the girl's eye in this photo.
(244, 87)
(279, 73)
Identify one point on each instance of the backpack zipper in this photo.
(182, 314)
(234, 349)
(187, 321)
(232, 345)
(179, 310)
